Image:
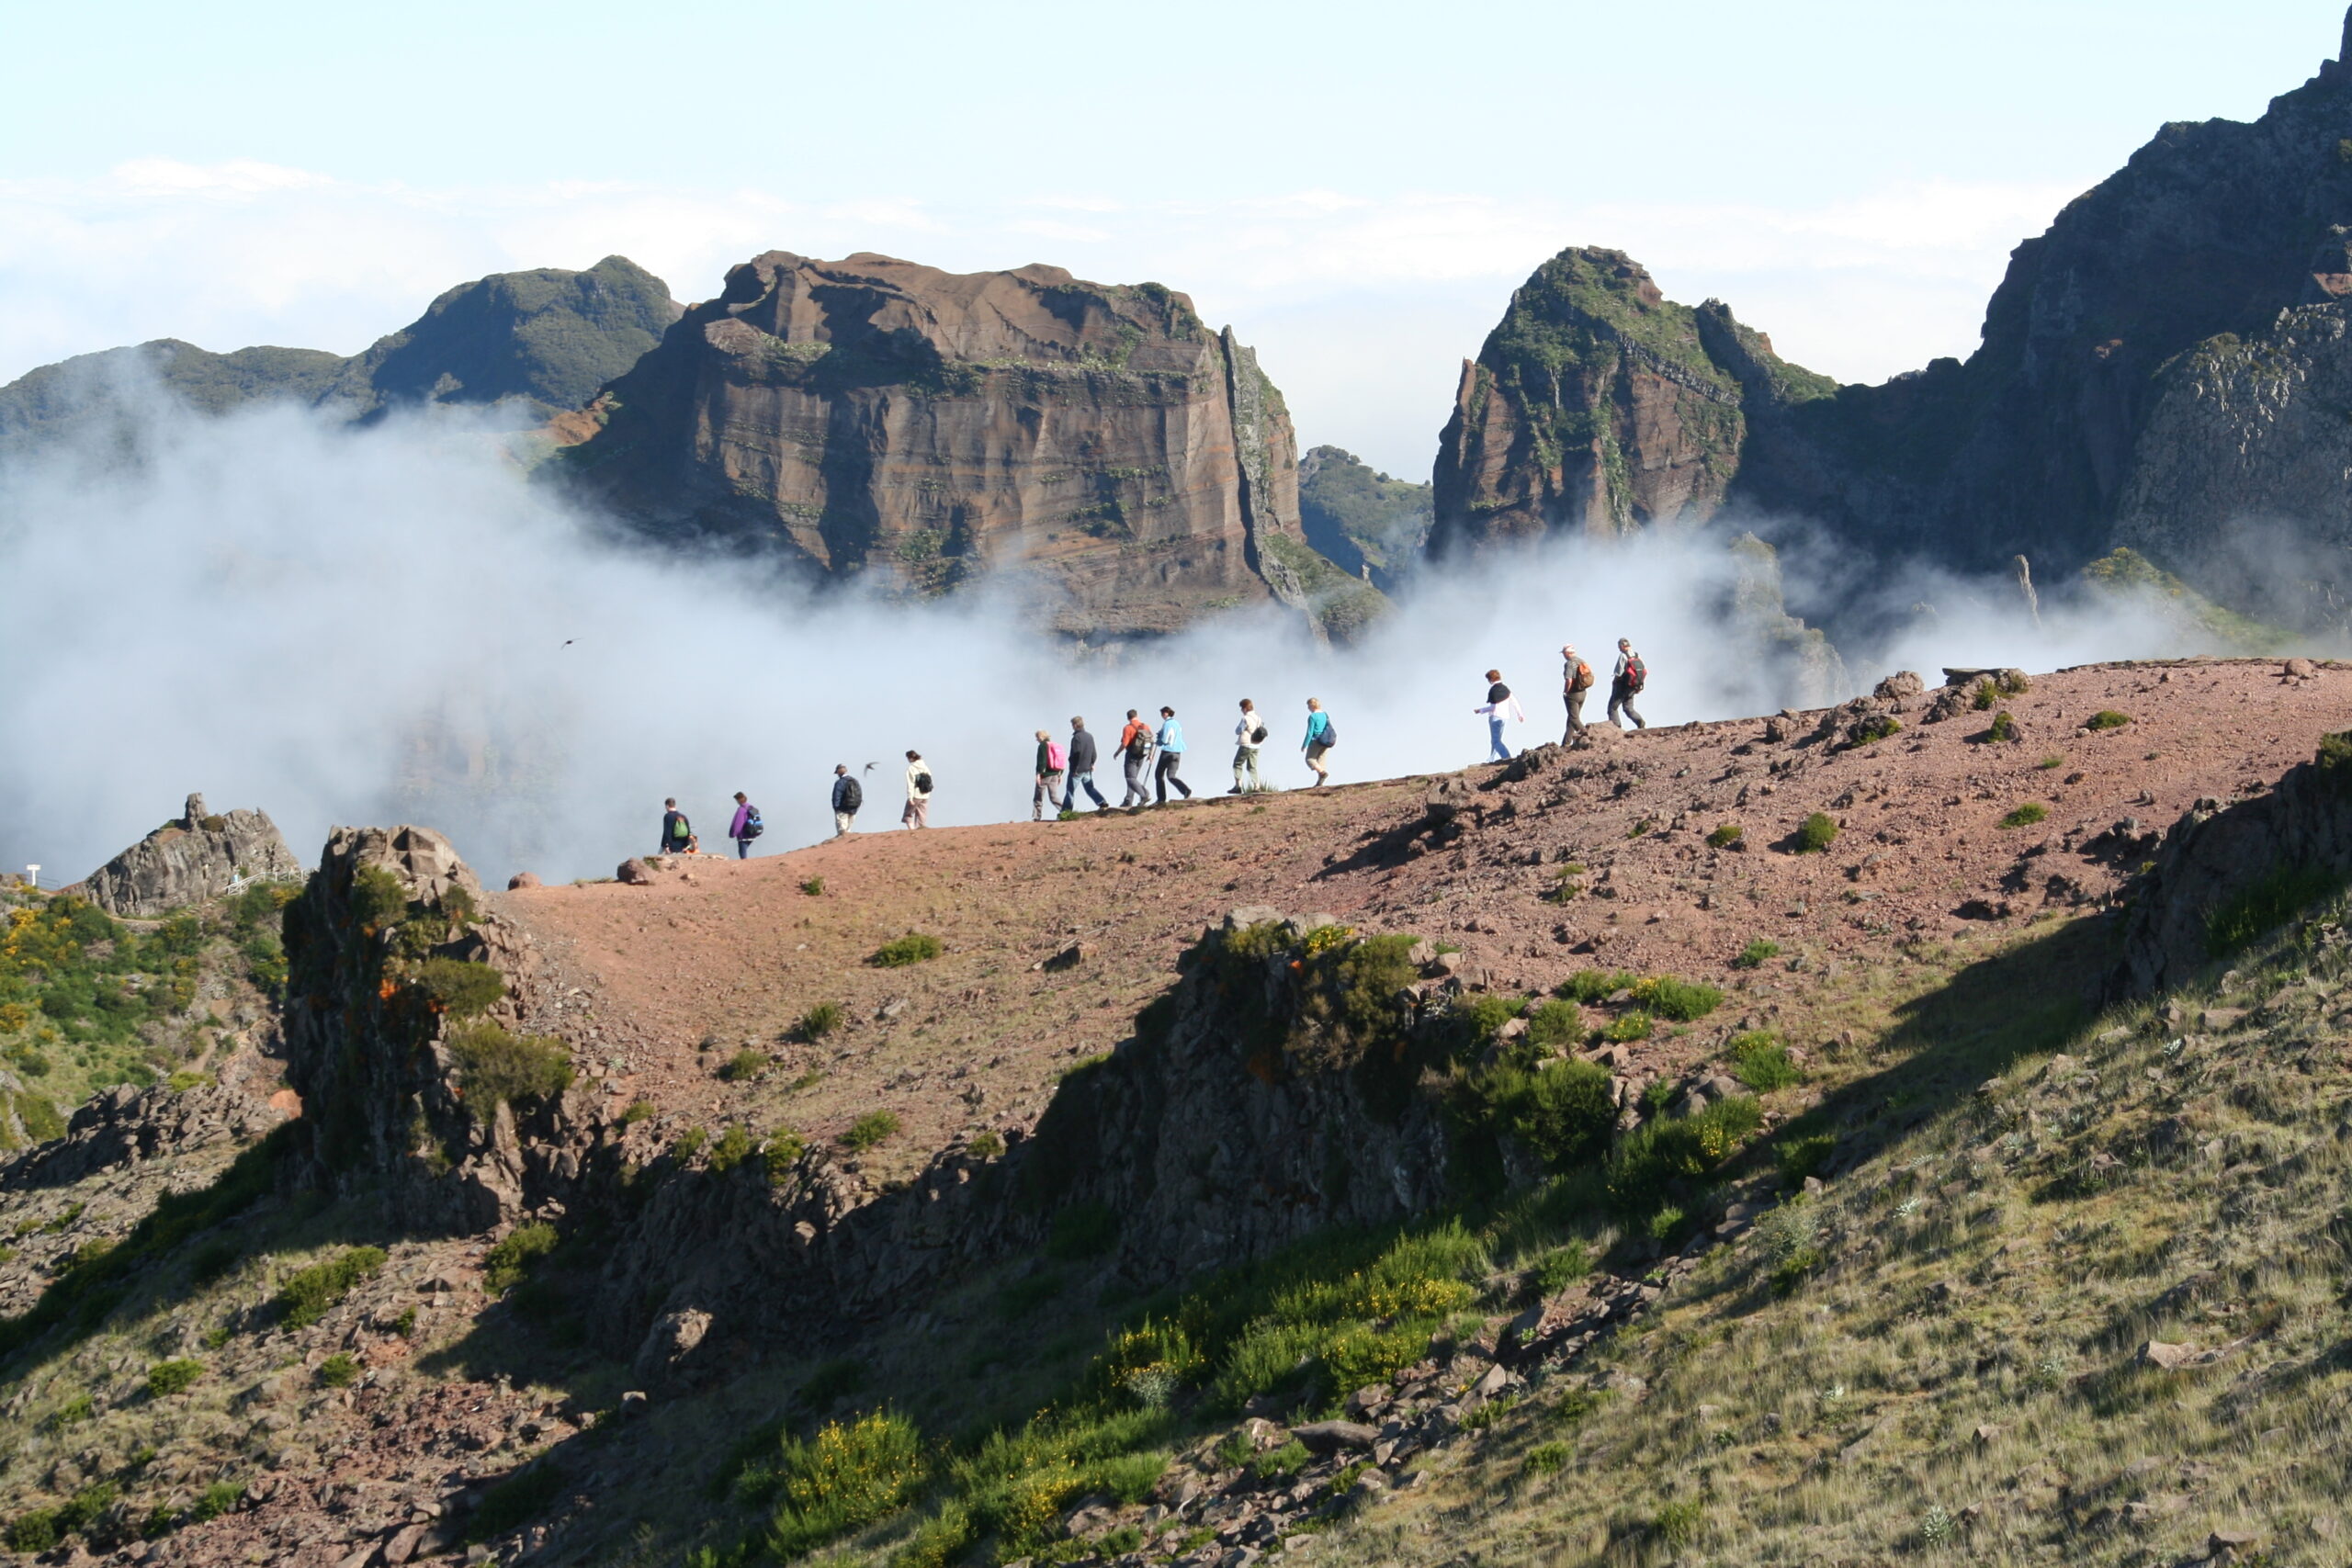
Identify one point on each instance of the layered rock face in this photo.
(186, 861)
(541, 341)
(1093, 446)
(1598, 406)
(2163, 368)
(1360, 518)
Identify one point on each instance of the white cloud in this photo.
(1362, 304)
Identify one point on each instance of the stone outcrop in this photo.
(1598, 406)
(128, 1125)
(195, 857)
(2258, 857)
(1093, 448)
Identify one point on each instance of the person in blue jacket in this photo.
(1171, 741)
(1321, 739)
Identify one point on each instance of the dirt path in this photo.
(1599, 860)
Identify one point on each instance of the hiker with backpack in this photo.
(1248, 736)
(1081, 767)
(1134, 745)
(1171, 741)
(1051, 763)
(1576, 680)
(1499, 705)
(1626, 684)
(1320, 737)
(746, 827)
(920, 784)
(677, 833)
(848, 796)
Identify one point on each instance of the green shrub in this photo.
(496, 1066)
(985, 1145)
(1761, 1061)
(1753, 955)
(1487, 1014)
(1985, 695)
(339, 1370)
(1817, 833)
(689, 1143)
(2106, 718)
(782, 1151)
(34, 1531)
(814, 887)
(2052, 762)
(1547, 1458)
(1554, 1023)
(1559, 1268)
(820, 1021)
(514, 1501)
(2237, 922)
(214, 1501)
(1591, 986)
(2005, 728)
(638, 1110)
(1082, 1230)
(310, 1293)
(378, 899)
(1661, 1156)
(850, 1473)
(167, 1378)
(458, 987)
(1725, 835)
(1789, 1237)
(2025, 816)
(913, 948)
(1627, 1027)
(829, 1381)
(75, 1411)
(1288, 1460)
(1676, 1524)
(870, 1129)
(1876, 728)
(1660, 1096)
(734, 1146)
(2013, 684)
(1562, 1111)
(1683, 1002)
(508, 1263)
(744, 1066)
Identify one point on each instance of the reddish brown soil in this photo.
(733, 954)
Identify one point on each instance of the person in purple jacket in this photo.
(746, 827)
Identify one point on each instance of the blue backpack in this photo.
(752, 825)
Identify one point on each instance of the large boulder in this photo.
(194, 857)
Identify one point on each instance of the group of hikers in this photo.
(1152, 756)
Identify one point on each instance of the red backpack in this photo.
(1638, 674)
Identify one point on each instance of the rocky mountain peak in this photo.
(1095, 446)
(196, 856)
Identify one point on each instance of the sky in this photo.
(1356, 188)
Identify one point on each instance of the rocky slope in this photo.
(540, 342)
(1092, 447)
(188, 860)
(615, 1188)
(1361, 519)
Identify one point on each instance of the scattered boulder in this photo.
(669, 1343)
(636, 873)
(1330, 1437)
(523, 879)
(2297, 671)
(1901, 689)
(194, 857)
(2156, 1353)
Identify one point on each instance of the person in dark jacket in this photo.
(848, 796)
(1082, 768)
(677, 833)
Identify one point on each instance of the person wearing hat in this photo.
(1576, 680)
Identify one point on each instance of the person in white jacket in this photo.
(1499, 705)
(920, 783)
